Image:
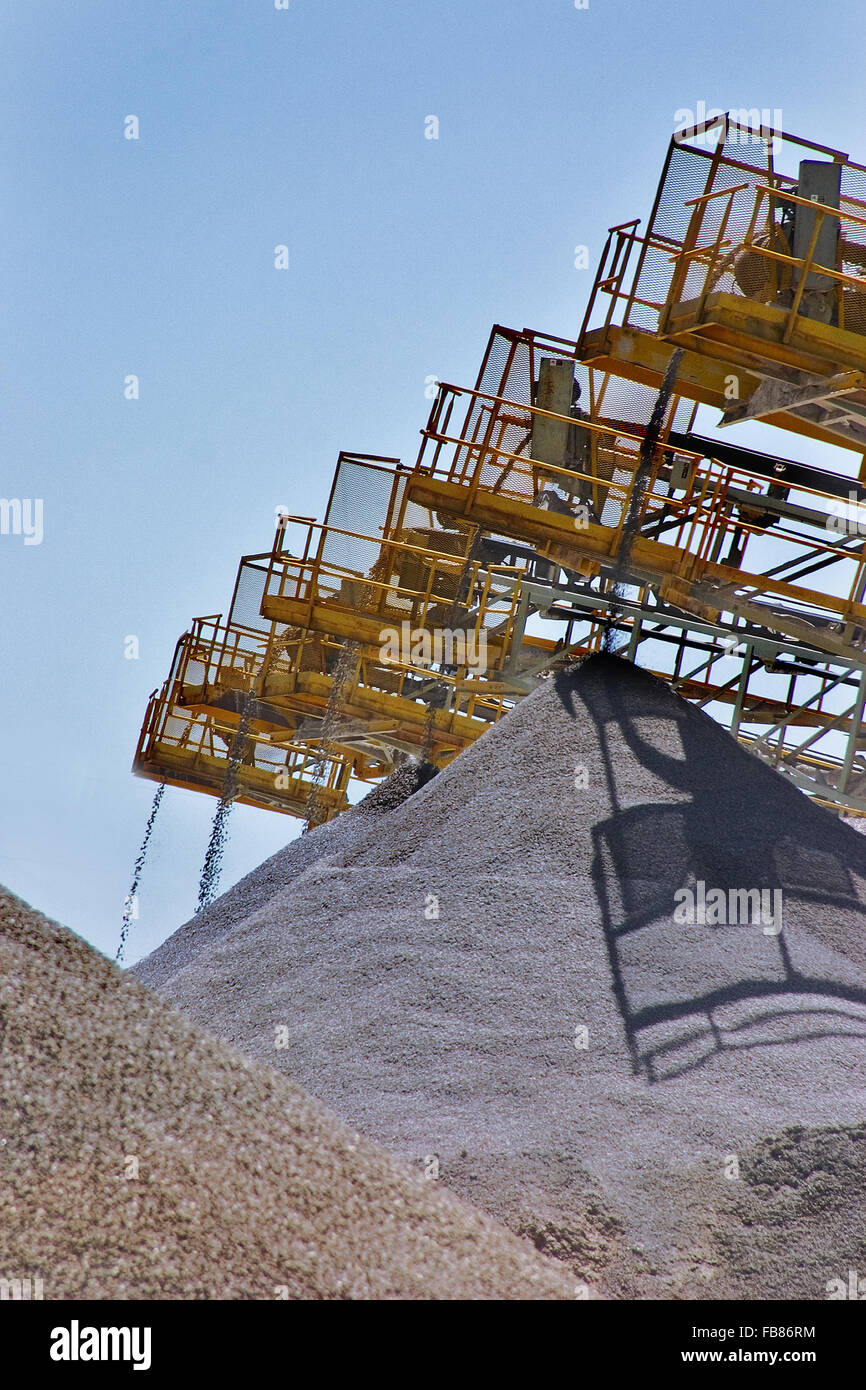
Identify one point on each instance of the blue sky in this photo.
(302, 127)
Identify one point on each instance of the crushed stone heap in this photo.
(356, 827)
(493, 973)
(142, 1159)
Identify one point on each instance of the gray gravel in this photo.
(454, 1035)
(330, 843)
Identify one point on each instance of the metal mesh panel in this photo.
(361, 503)
(236, 658)
(690, 174)
(174, 727)
(195, 673)
(630, 404)
(247, 603)
(510, 370)
(500, 436)
(743, 159)
(360, 498)
(852, 247)
(397, 555)
(687, 174)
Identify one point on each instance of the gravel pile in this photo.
(142, 1159)
(331, 842)
(495, 977)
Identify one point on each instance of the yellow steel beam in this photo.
(350, 624)
(818, 348)
(196, 771)
(309, 692)
(702, 587)
(704, 372)
(759, 709)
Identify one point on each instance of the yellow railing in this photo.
(709, 252)
(698, 522)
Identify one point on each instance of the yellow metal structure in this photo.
(191, 726)
(764, 288)
(414, 616)
(696, 521)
